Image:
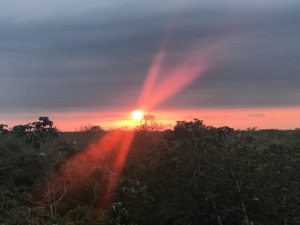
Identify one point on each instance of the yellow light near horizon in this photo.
(137, 115)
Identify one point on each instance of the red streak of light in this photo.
(155, 68)
(151, 79)
(181, 76)
(111, 151)
(117, 167)
(194, 65)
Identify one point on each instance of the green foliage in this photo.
(193, 174)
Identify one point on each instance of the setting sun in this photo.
(137, 115)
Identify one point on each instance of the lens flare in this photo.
(104, 161)
(160, 84)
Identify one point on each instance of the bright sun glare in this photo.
(137, 115)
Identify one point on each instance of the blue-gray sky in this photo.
(65, 55)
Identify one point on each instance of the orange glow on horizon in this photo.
(238, 118)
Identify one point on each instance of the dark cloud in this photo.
(71, 54)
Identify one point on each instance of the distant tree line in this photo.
(34, 133)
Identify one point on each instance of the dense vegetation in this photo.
(192, 174)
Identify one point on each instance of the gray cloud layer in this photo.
(95, 54)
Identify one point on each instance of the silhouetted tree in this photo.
(96, 129)
(150, 123)
(3, 129)
(22, 130)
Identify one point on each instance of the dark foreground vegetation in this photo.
(190, 175)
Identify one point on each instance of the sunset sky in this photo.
(232, 63)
